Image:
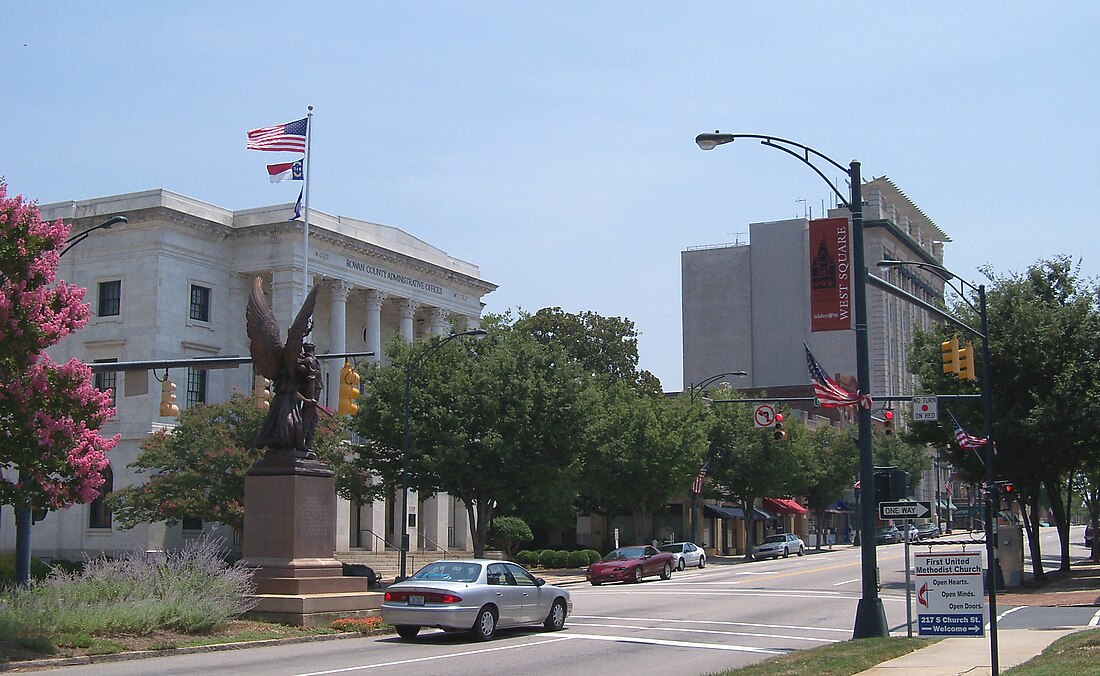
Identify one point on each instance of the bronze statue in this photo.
(295, 373)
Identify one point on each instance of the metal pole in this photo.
(405, 475)
(993, 500)
(870, 615)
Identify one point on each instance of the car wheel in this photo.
(666, 572)
(596, 584)
(638, 574)
(680, 563)
(407, 631)
(702, 561)
(555, 621)
(786, 552)
(801, 550)
(486, 625)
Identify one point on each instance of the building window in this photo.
(99, 512)
(200, 303)
(196, 387)
(191, 523)
(110, 298)
(106, 381)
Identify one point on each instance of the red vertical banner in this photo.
(830, 275)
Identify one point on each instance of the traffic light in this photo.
(950, 350)
(349, 390)
(261, 391)
(780, 434)
(888, 424)
(966, 362)
(882, 485)
(899, 484)
(168, 406)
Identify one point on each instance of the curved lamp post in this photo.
(410, 371)
(992, 499)
(700, 388)
(870, 617)
(23, 515)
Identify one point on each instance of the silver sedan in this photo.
(475, 595)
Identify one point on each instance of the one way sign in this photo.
(904, 510)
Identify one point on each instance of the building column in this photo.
(407, 307)
(338, 291)
(372, 332)
(438, 321)
(286, 296)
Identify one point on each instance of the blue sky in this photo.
(552, 143)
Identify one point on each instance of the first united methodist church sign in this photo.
(830, 275)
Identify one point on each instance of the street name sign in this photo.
(925, 409)
(904, 510)
(949, 593)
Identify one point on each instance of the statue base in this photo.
(289, 542)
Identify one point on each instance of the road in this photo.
(699, 621)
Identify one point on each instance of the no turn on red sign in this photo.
(925, 409)
(763, 415)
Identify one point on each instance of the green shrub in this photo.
(578, 559)
(555, 558)
(510, 532)
(527, 558)
(593, 555)
(39, 569)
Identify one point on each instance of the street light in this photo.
(992, 499)
(81, 236)
(23, 513)
(870, 617)
(693, 388)
(410, 371)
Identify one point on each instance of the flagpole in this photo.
(305, 205)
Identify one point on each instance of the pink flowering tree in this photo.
(49, 412)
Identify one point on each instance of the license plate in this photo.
(416, 600)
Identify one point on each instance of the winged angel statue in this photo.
(293, 370)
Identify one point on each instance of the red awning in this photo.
(784, 505)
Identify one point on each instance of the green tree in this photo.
(510, 532)
(833, 463)
(747, 464)
(197, 469)
(642, 452)
(492, 422)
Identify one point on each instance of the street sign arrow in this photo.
(904, 510)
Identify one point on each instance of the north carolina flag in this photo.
(285, 171)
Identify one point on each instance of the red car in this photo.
(630, 564)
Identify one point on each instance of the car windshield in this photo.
(675, 549)
(775, 538)
(888, 530)
(623, 553)
(449, 571)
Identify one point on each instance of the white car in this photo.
(685, 554)
(782, 544)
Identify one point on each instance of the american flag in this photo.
(290, 137)
(697, 485)
(827, 392)
(962, 438)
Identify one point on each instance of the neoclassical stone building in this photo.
(173, 284)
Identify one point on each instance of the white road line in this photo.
(789, 637)
(677, 644)
(837, 595)
(723, 623)
(837, 584)
(1095, 621)
(1001, 616)
(414, 660)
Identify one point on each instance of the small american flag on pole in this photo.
(290, 137)
(962, 438)
(826, 391)
(697, 485)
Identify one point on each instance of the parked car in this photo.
(1088, 535)
(927, 531)
(685, 554)
(782, 544)
(887, 535)
(475, 595)
(630, 564)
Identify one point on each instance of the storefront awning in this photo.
(783, 506)
(839, 507)
(716, 512)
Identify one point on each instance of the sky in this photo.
(552, 144)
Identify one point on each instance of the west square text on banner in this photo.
(830, 278)
(285, 171)
(290, 137)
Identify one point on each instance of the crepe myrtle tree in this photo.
(50, 413)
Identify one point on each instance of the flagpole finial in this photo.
(309, 108)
